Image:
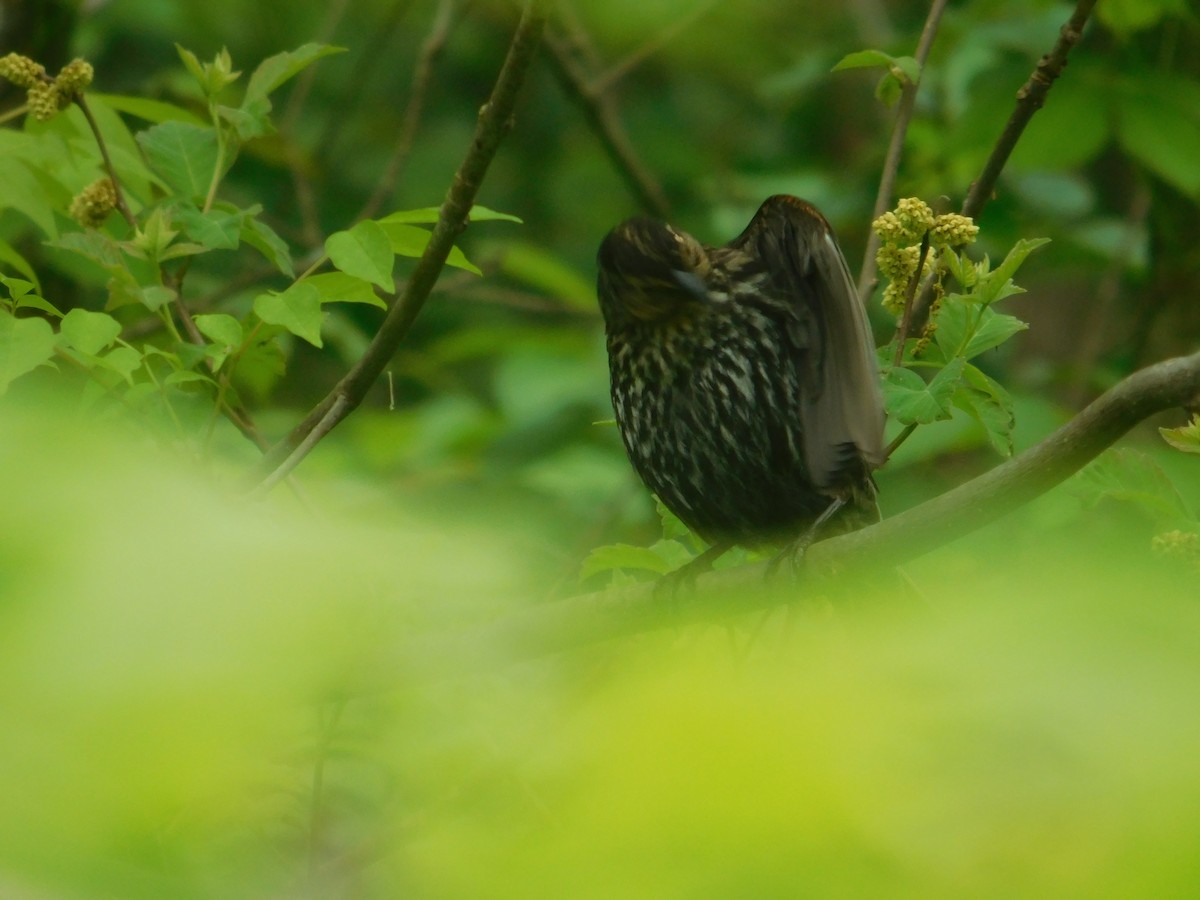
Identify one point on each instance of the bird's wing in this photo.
(840, 400)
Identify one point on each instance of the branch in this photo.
(1030, 98)
(591, 618)
(891, 164)
(600, 110)
(495, 119)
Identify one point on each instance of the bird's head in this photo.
(651, 273)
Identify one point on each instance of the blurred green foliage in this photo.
(204, 699)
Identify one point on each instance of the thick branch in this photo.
(592, 618)
(495, 119)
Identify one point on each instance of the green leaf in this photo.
(966, 330)
(92, 244)
(864, 59)
(910, 400)
(217, 229)
(122, 360)
(275, 70)
(338, 287)
(221, 329)
(1185, 438)
(184, 155)
(365, 251)
(298, 309)
(150, 110)
(997, 284)
(985, 400)
(409, 240)
(25, 344)
(20, 190)
(263, 238)
(156, 297)
(992, 330)
(89, 332)
(14, 259)
(187, 376)
(429, 214)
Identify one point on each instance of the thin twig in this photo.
(338, 410)
(495, 119)
(431, 48)
(600, 110)
(122, 206)
(1030, 99)
(909, 301)
(585, 620)
(891, 164)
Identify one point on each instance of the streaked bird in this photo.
(744, 377)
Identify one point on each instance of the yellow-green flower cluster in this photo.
(902, 231)
(953, 230)
(93, 204)
(45, 96)
(74, 77)
(21, 70)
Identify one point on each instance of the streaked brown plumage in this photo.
(744, 377)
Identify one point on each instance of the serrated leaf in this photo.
(992, 330)
(95, 245)
(365, 251)
(298, 309)
(184, 155)
(910, 400)
(217, 229)
(263, 238)
(25, 344)
(985, 400)
(967, 330)
(89, 332)
(1185, 438)
(273, 71)
(996, 285)
(338, 287)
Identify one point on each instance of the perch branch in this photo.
(592, 618)
(495, 119)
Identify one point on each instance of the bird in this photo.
(744, 379)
